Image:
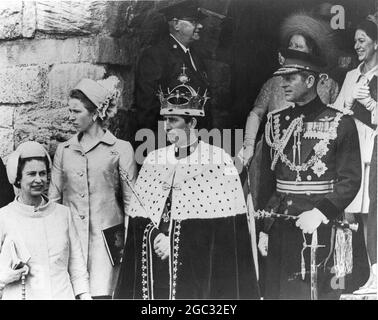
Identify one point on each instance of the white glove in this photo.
(310, 220)
(263, 243)
(245, 154)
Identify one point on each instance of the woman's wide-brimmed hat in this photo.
(29, 149)
(317, 29)
(102, 93)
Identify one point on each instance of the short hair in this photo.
(201, 121)
(305, 74)
(21, 165)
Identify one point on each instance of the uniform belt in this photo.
(305, 187)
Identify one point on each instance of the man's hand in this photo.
(310, 220)
(8, 275)
(263, 243)
(162, 246)
(245, 154)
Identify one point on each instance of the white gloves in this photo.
(310, 220)
(263, 243)
(245, 154)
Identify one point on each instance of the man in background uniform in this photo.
(161, 64)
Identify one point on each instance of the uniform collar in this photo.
(311, 107)
(185, 49)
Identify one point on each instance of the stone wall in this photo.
(46, 47)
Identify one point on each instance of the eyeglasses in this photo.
(193, 21)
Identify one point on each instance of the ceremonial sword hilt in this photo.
(259, 214)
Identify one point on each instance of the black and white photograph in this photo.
(202, 151)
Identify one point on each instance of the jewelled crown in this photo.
(182, 100)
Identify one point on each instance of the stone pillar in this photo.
(46, 47)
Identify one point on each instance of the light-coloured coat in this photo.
(47, 238)
(89, 183)
(366, 137)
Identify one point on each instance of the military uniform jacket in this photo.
(160, 66)
(310, 159)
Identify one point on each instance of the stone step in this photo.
(358, 297)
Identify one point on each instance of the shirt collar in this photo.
(180, 44)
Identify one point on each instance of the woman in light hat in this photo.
(86, 176)
(37, 237)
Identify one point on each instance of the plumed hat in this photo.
(318, 30)
(29, 149)
(102, 93)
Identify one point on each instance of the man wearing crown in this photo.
(188, 233)
(310, 169)
(160, 64)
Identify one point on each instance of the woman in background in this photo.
(86, 177)
(358, 96)
(302, 32)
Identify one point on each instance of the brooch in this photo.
(114, 152)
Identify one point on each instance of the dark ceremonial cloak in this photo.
(6, 189)
(210, 254)
(334, 135)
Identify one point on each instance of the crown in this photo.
(182, 100)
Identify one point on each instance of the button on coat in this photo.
(90, 185)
